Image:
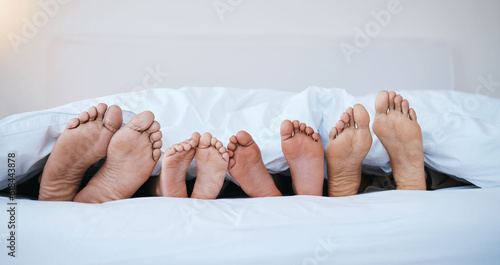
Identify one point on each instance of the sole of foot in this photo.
(397, 129)
(84, 142)
(174, 165)
(350, 141)
(247, 168)
(131, 156)
(211, 161)
(305, 156)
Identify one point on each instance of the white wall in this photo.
(469, 27)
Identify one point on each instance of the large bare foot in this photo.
(174, 165)
(305, 156)
(350, 141)
(132, 154)
(211, 162)
(247, 168)
(396, 126)
(83, 143)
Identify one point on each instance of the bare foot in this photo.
(174, 165)
(350, 141)
(83, 143)
(396, 126)
(132, 155)
(305, 156)
(211, 162)
(247, 168)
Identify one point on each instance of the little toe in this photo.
(205, 140)
(244, 138)
(413, 115)
(382, 102)
(101, 110)
(142, 121)
(286, 130)
(73, 123)
(397, 103)
(316, 137)
(232, 162)
(170, 151)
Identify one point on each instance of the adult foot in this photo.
(83, 142)
(350, 141)
(396, 127)
(247, 168)
(132, 154)
(211, 162)
(174, 165)
(305, 156)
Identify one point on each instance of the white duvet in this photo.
(461, 131)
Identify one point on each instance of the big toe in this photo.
(382, 102)
(142, 121)
(286, 130)
(361, 116)
(205, 140)
(113, 119)
(244, 138)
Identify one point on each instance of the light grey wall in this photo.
(32, 68)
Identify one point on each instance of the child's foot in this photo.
(83, 143)
(211, 162)
(174, 165)
(396, 126)
(350, 141)
(248, 169)
(132, 155)
(305, 156)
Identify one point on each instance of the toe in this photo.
(142, 121)
(155, 136)
(231, 153)
(218, 144)
(225, 156)
(361, 116)
(84, 117)
(187, 146)
(233, 139)
(231, 163)
(349, 112)
(157, 145)
(213, 141)
(340, 126)
(205, 140)
(382, 102)
(101, 109)
(286, 130)
(392, 95)
(155, 127)
(397, 103)
(309, 130)
(113, 118)
(73, 123)
(92, 111)
(296, 125)
(316, 137)
(302, 127)
(244, 138)
(413, 115)
(345, 119)
(222, 150)
(178, 147)
(231, 146)
(405, 106)
(333, 133)
(170, 151)
(156, 154)
(196, 138)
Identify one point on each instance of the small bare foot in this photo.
(174, 165)
(305, 156)
(247, 168)
(132, 155)
(211, 162)
(350, 141)
(396, 127)
(83, 143)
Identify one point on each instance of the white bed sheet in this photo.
(395, 227)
